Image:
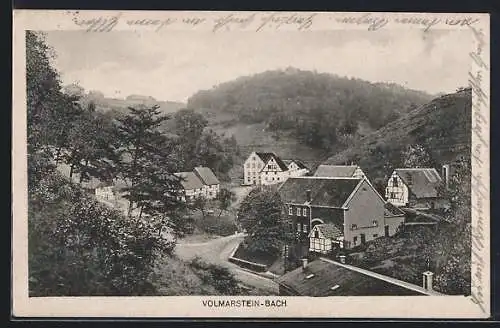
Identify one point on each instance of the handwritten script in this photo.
(269, 21)
(479, 188)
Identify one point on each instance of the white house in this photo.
(264, 169)
(252, 167)
(211, 184)
(414, 187)
(324, 237)
(296, 168)
(201, 182)
(339, 171)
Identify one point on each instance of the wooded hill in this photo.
(320, 110)
(442, 127)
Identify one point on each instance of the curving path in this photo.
(217, 251)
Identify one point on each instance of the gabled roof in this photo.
(422, 182)
(297, 162)
(328, 230)
(345, 171)
(266, 157)
(390, 210)
(327, 192)
(206, 175)
(331, 278)
(189, 180)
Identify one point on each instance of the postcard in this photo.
(204, 164)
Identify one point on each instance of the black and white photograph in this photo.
(251, 163)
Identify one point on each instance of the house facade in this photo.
(268, 169)
(211, 185)
(201, 182)
(352, 205)
(415, 187)
(296, 168)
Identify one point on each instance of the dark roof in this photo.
(391, 210)
(422, 182)
(189, 180)
(328, 192)
(345, 171)
(297, 162)
(266, 157)
(351, 281)
(206, 175)
(330, 231)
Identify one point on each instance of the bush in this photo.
(219, 277)
(221, 226)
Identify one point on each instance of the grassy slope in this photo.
(442, 126)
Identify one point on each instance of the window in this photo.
(305, 228)
(304, 212)
(248, 165)
(290, 210)
(354, 226)
(253, 165)
(355, 241)
(375, 236)
(316, 234)
(374, 223)
(298, 211)
(395, 181)
(298, 227)
(393, 195)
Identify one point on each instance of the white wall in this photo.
(396, 195)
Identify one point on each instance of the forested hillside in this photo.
(322, 111)
(442, 127)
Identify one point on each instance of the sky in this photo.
(173, 65)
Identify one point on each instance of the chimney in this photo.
(427, 280)
(304, 263)
(308, 195)
(445, 174)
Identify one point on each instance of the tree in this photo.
(224, 199)
(260, 214)
(147, 163)
(189, 126)
(200, 203)
(416, 156)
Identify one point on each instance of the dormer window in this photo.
(374, 223)
(354, 226)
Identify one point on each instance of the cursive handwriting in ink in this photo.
(158, 23)
(303, 22)
(99, 24)
(426, 22)
(478, 186)
(228, 21)
(374, 22)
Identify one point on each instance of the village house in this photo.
(350, 211)
(415, 187)
(269, 169)
(296, 168)
(325, 277)
(201, 182)
(211, 185)
(339, 171)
